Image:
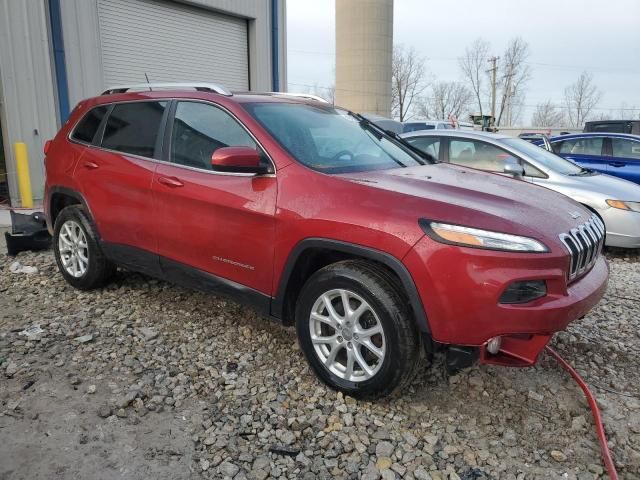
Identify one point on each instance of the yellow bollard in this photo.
(22, 170)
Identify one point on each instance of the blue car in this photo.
(616, 154)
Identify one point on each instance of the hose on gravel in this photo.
(597, 418)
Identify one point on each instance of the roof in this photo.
(595, 134)
(456, 133)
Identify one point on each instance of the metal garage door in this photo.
(171, 42)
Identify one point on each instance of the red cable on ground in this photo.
(597, 418)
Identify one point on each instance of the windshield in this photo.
(544, 157)
(330, 140)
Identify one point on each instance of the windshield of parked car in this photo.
(331, 140)
(544, 157)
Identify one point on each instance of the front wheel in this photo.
(356, 330)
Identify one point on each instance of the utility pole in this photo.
(493, 61)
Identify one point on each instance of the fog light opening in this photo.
(493, 345)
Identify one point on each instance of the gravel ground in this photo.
(147, 380)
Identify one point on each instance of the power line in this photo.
(604, 68)
(426, 97)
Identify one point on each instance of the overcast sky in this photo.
(565, 38)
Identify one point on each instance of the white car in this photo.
(427, 125)
(614, 200)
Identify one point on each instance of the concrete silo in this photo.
(364, 47)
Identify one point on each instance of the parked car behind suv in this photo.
(612, 153)
(614, 200)
(613, 126)
(318, 218)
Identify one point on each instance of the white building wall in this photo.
(28, 93)
(27, 102)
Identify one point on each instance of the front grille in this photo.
(584, 244)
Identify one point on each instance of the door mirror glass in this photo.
(512, 167)
(238, 160)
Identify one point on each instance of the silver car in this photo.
(617, 201)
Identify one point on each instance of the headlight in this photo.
(619, 204)
(474, 237)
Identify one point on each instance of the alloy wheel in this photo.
(347, 335)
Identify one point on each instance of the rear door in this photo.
(588, 152)
(218, 223)
(116, 175)
(624, 159)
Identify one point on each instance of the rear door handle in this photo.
(90, 165)
(617, 164)
(172, 182)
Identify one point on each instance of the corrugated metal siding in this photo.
(26, 87)
(171, 42)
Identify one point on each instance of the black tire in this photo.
(377, 287)
(99, 270)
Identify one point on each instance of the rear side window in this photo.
(622, 147)
(580, 146)
(133, 127)
(613, 127)
(87, 128)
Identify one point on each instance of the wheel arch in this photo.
(60, 197)
(311, 254)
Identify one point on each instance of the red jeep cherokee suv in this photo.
(318, 218)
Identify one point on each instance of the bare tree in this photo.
(514, 74)
(473, 66)
(446, 98)
(328, 93)
(581, 98)
(407, 81)
(547, 115)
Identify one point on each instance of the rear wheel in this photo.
(356, 330)
(78, 254)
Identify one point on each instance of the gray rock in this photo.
(104, 411)
(384, 449)
(84, 338)
(228, 469)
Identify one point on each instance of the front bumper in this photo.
(623, 227)
(460, 289)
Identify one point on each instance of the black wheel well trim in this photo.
(394, 264)
(69, 192)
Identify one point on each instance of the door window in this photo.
(133, 127)
(581, 146)
(199, 129)
(429, 145)
(622, 147)
(476, 154)
(87, 128)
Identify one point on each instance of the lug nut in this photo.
(340, 339)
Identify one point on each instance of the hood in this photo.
(474, 198)
(586, 188)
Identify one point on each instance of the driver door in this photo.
(212, 222)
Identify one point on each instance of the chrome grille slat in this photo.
(584, 244)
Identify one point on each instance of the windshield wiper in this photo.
(372, 126)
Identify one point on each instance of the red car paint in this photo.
(244, 229)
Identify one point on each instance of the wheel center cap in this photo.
(347, 333)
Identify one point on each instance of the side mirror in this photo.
(513, 167)
(237, 160)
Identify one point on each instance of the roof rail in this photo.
(201, 87)
(300, 95)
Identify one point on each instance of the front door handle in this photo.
(172, 182)
(617, 164)
(89, 165)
